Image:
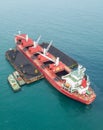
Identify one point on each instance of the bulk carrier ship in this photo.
(61, 71)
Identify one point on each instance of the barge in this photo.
(27, 71)
(14, 85)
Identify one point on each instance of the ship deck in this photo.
(26, 69)
(71, 63)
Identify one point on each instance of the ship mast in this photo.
(37, 41)
(45, 50)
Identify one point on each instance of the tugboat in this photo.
(62, 72)
(18, 78)
(13, 83)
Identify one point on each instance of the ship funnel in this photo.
(57, 61)
(26, 38)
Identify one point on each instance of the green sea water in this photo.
(76, 28)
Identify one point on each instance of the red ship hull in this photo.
(50, 77)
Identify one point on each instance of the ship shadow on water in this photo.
(70, 104)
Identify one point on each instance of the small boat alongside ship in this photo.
(14, 85)
(18, 78)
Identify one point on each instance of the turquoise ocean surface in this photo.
(76, 28)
